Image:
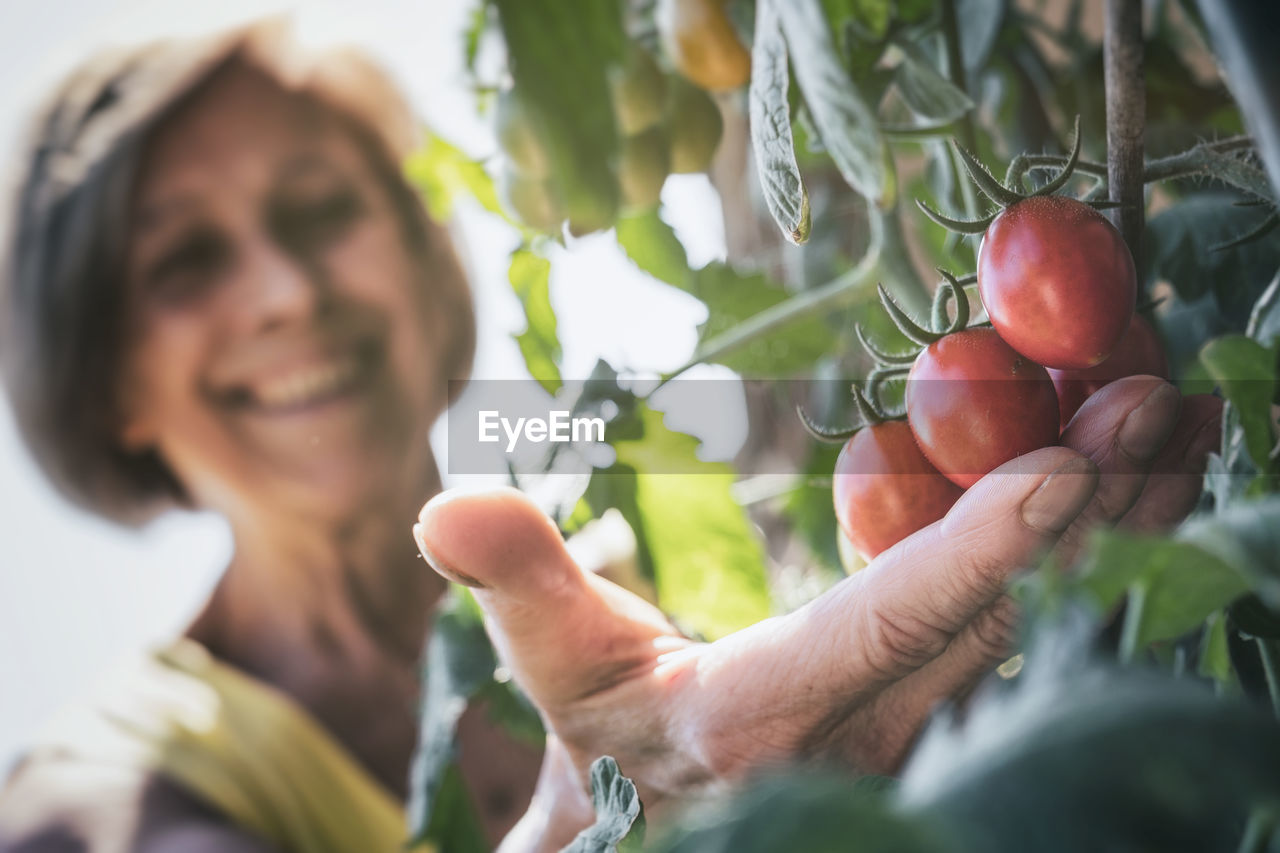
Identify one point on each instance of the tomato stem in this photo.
(959, 226)
(880, 355)
(987, 183)
(1068, 168)
(870, 413)
(905, 324)
(952, 289)
(830, 435)
(876, 380)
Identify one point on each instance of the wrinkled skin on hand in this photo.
(854, 674)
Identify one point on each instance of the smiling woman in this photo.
(221, 293)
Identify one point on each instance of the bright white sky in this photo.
(75, 592)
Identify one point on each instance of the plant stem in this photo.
(1205, 160)
(956, 71)
(825, 297)
(1211, 159)
(1269, 651)
(1126, 117)
(1133, 613)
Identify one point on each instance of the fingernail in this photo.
(1060, 498)
(440, 567)
(438, 500)
(1147, 427)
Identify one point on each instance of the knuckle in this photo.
(995, 632)
(899, 640)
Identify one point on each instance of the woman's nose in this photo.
(278, 287)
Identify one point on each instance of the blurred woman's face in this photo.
(281, 349)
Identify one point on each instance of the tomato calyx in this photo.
(941, 323)
(869, 413)
(1004, 193)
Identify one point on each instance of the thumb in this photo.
(565, 633)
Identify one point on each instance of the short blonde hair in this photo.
(61, 293)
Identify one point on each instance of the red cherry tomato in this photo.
(885, 489)
(974, 404)
(1057, 281)
(1138, 353)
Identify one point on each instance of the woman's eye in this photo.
(315, 225)
(188, 269)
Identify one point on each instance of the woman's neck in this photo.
(334, 615)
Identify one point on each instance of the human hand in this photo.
(852, 674)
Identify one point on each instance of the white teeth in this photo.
(306, 386)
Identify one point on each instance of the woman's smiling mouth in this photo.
(310, 384)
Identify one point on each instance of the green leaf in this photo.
(477, 22)
(733, 297)
(1180, 583)
(708, 565)
(1155, 764)
(652, 245)
(809, 812)
(1246, 536)
(559, 52)
(1177, 249)
(508, 706)
(771, 138)
(845, 122)
(1246, 372)
(443, 174)
(930, 96)
(455, 826)
(810, 510)
(619, 814)
(868, 18)
(530, 277)
(459, 662)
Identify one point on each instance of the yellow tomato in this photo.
(703, 44)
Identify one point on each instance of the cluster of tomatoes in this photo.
(1058, 285)
(666, 122)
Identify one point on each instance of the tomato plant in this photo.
(1011, 125)
(1057, 281)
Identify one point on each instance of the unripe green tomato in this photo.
(594, 205)
(531, 200)
(694, 125)
(644, 161)
(639, 91)
(521, 136)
